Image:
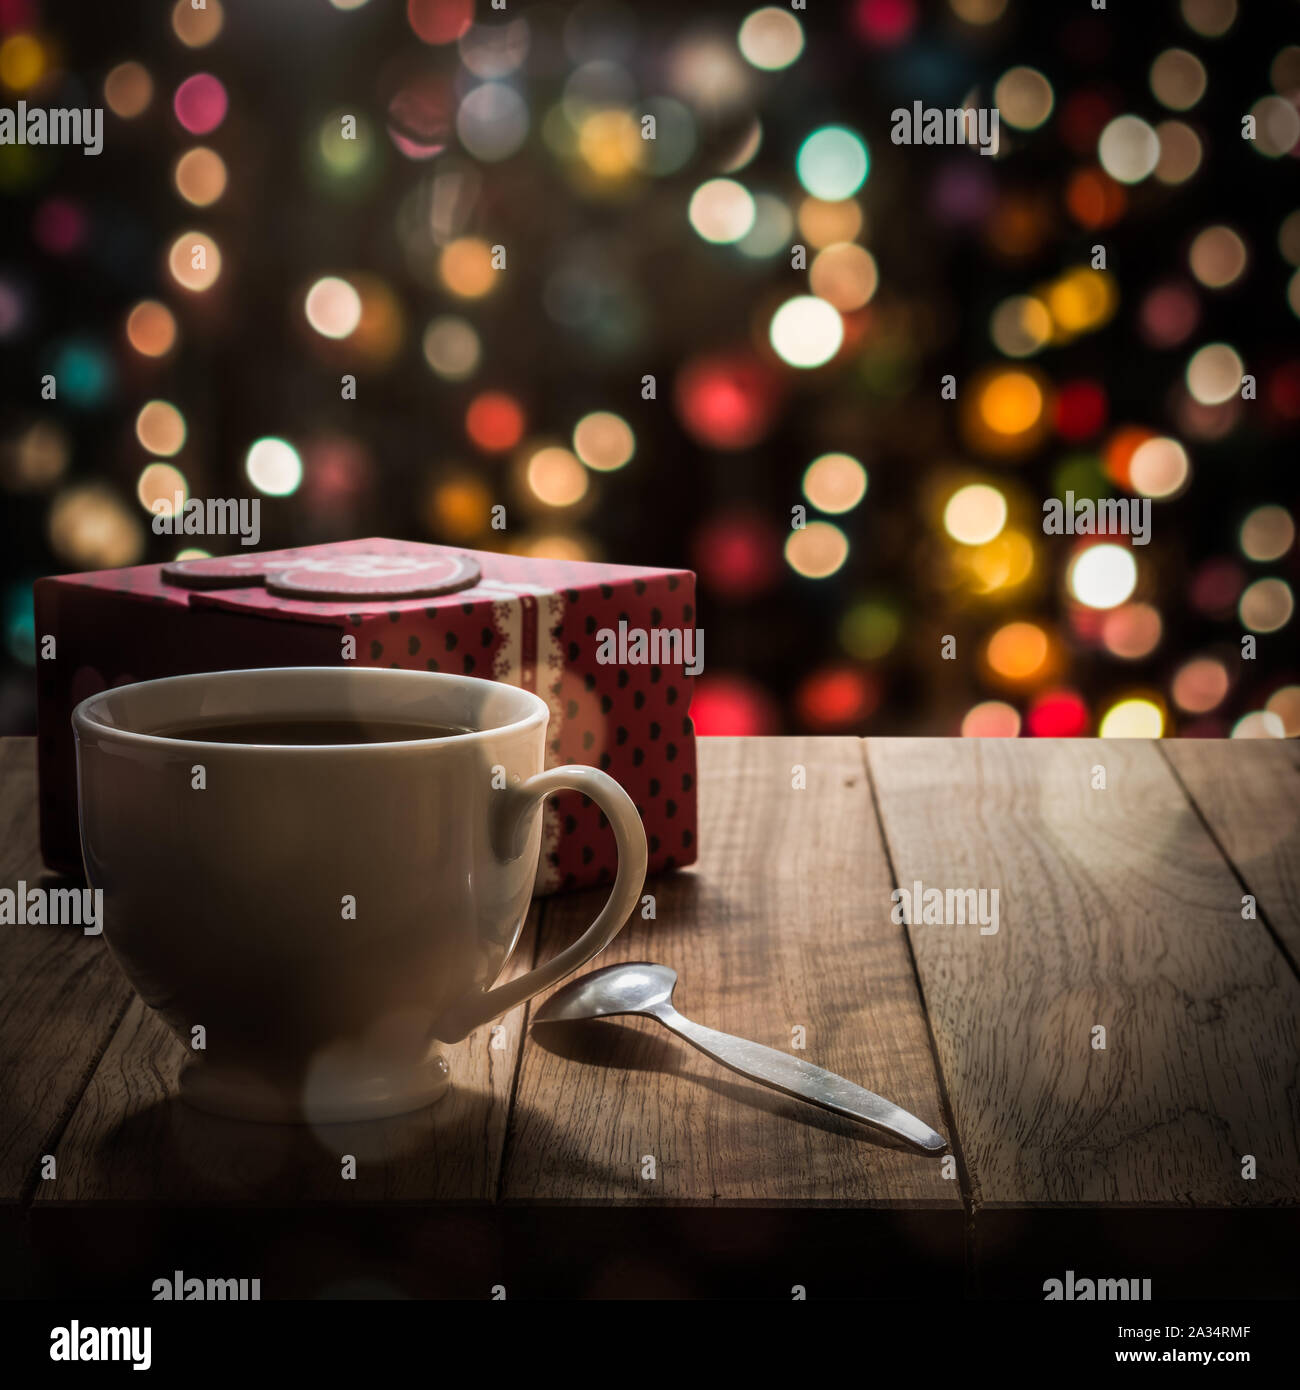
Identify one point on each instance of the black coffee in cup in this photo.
(308, 731)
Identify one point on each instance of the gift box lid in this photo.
(341, 580)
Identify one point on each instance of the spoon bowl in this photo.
(635, 988)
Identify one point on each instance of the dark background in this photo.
(642, 293)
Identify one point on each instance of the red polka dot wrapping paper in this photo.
(529, 622)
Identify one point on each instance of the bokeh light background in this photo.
(200, 289)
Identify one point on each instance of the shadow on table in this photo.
(683, 899)
(171, 1152)
(632, 1047)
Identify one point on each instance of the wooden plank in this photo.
(60, 995)
(1248, 791)
(131, 1139)
(782, 923)
(1117, 910)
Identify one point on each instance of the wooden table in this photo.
(1120, 909)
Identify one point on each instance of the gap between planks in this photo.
(965, 1179)
(1277, 898)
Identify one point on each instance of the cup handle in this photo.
(509, 833)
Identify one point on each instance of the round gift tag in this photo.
(225, 571)
(364, 575)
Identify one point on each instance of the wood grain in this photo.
(1116, 910)
(1248, 791)
(60, 995)
(131, 1139)
(784, 922)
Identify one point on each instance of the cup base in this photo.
(236, 1095)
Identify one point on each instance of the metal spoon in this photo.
(639, 987)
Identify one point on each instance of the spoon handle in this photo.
(803, 1081)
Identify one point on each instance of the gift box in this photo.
(610, 648)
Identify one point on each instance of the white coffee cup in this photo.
(320, 917)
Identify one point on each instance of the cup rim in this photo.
(85, 715)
